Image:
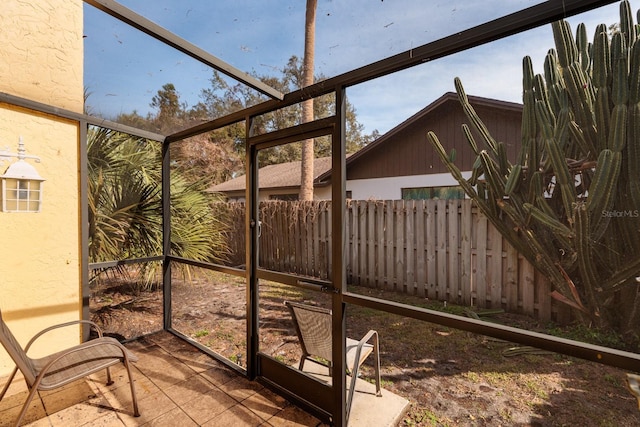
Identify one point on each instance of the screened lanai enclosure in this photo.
(537, 260)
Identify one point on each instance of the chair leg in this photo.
(352, 389)
(9, 380)
(134, 399)
(109, 380)
(32, 392)
(376, 357)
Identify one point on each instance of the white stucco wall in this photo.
(390, 188)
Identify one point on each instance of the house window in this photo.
(425, 193)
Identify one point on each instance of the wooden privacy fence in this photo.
(442, 250)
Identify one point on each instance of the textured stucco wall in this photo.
(41, 51)
(41, 54)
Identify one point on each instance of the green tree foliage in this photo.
(221, 99)
(220, 154)
(125, 215)
(571, 202)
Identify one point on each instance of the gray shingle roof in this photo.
(276, 176)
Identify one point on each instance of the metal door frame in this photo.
(327, 400)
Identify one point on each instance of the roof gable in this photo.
(392, 148)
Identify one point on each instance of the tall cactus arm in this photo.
(471, 114)
(602, 191)
(627, 28)
(582, 43)
(552, 79)
(493, 177)
(576, 80)
(528, 155)
(633, 155)
(590, 279)
(470, 139)
(633, 129)
(564, 178)
(453, 169)
(565, 45)
(601, 78)
(549, 221)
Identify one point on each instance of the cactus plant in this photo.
(571, 202)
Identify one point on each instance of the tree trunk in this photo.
(306, 179)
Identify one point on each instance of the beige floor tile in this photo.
(190, 389)
(72, 394)
(42, 422)
(81, 413)
(219, 375)
(110, 419)
(143, 385)
(197, 361)
(119, 376)
(237, 415)
(265, 403)
(163, 369)
(13, 400)
(292, 416)
(208, 406)
(241, 388)
(36, 411)
(151, 408)
(174, 418)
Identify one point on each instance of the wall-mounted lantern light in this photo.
(21, 183)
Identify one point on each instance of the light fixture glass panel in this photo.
(21, 195)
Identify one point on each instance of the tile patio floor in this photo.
(176, 385)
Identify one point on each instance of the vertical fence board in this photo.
(355, 257)
(299, 245)
(371, 245)
(410, 221)
(399, 249)
(441, 248)
(494, 276)
(527, 286)
(480, 278)
(543, 288)
(421, 272)
(380, 240)
(453, 265)
(389, 223)
(510, 281)
(348, 250)
(315, 238)
(432, 278)
(362, 251)
(329, 262)
(465, 254)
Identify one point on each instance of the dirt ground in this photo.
(451, 377)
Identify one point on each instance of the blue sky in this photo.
(124, 68)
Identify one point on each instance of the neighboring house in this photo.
(401, 164)
(276, 182)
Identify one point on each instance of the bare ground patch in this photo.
(451, 377)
